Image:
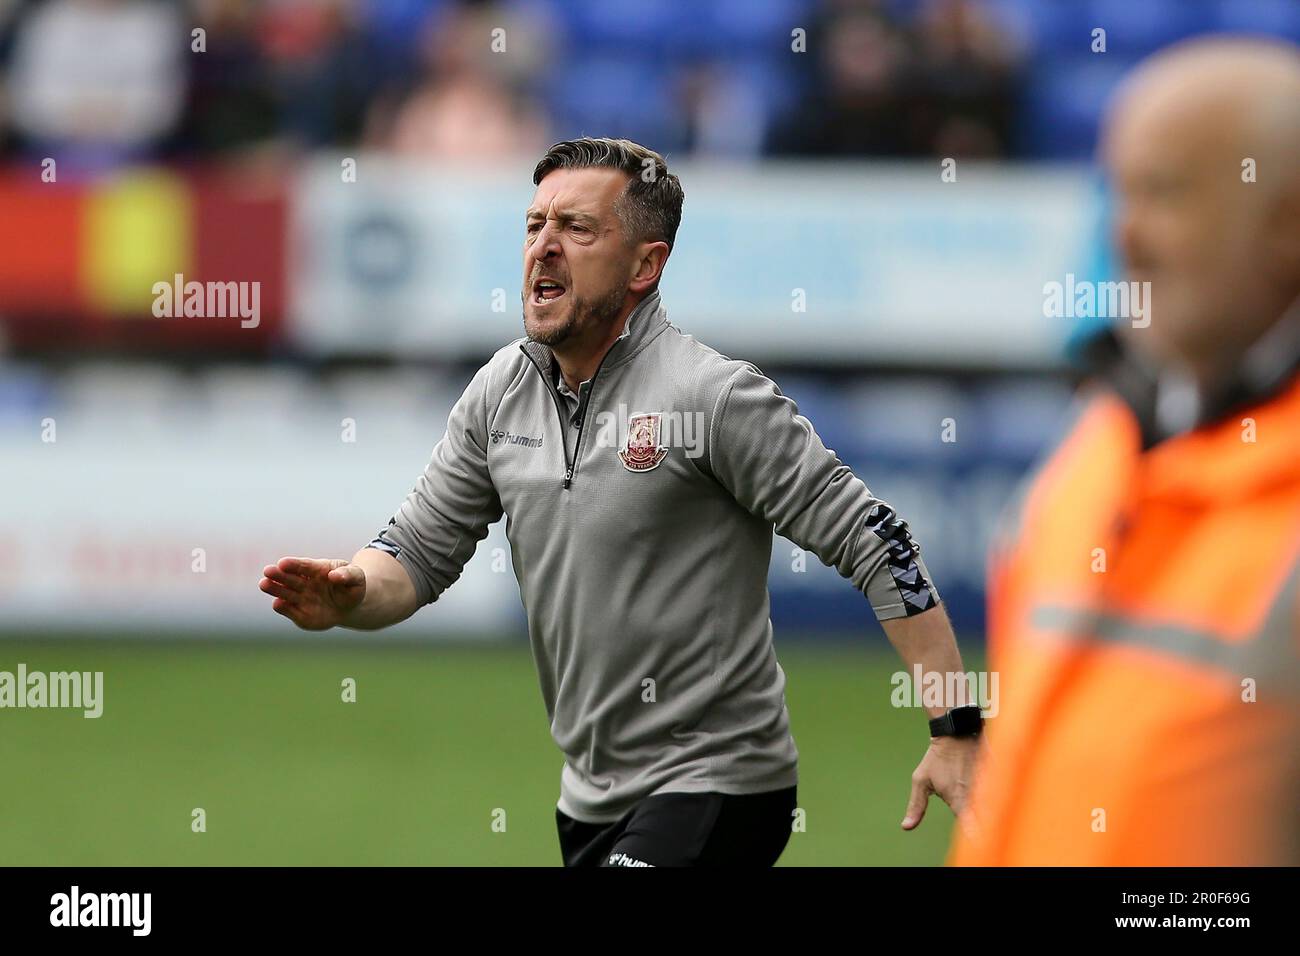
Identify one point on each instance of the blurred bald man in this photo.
(1145, 600)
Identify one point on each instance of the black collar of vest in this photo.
(1268, 367)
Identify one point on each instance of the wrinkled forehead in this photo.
(591, 192)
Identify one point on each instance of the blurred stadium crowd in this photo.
(877, 78)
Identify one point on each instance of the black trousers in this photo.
(685, 829)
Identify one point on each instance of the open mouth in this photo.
(547, 290)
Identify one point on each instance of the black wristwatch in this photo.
(958, 722)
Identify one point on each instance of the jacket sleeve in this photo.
(447, 513)
(771, 460)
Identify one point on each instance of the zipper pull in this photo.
(568, 477)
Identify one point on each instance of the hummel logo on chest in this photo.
(508, 438)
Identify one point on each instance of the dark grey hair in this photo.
(651, 205)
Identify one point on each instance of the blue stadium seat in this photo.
(777, 85)
(749, 27)
(616, 96)
(398, 21)
(396, 28)
(1064, 102)
(1137, 28)
(1277, 17)
(616, 26)
(1049, 26)
(899, 9)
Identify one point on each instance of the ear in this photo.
(1283, 237)
(649, 266)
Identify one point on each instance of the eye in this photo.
(534, 226)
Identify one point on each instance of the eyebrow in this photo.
(564, 215)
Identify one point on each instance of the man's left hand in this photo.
(947, 769)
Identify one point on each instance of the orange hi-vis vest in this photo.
(1144, 623)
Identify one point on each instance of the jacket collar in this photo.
(1267, 368)
(644, 323)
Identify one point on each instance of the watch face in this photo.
(966, 720)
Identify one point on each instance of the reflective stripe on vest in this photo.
(1269, 656)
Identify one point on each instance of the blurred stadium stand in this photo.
(333, 72)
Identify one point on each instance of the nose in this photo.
(546, 245)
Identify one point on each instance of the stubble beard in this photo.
(583, 314)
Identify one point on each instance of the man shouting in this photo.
(641, 474)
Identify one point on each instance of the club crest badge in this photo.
(643, 451)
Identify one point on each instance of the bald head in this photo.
(1202, 145)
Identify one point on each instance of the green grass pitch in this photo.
(440, 737)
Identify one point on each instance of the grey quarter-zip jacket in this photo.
(640, 515)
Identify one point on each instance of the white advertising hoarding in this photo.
(149, 507)
(864, 263)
